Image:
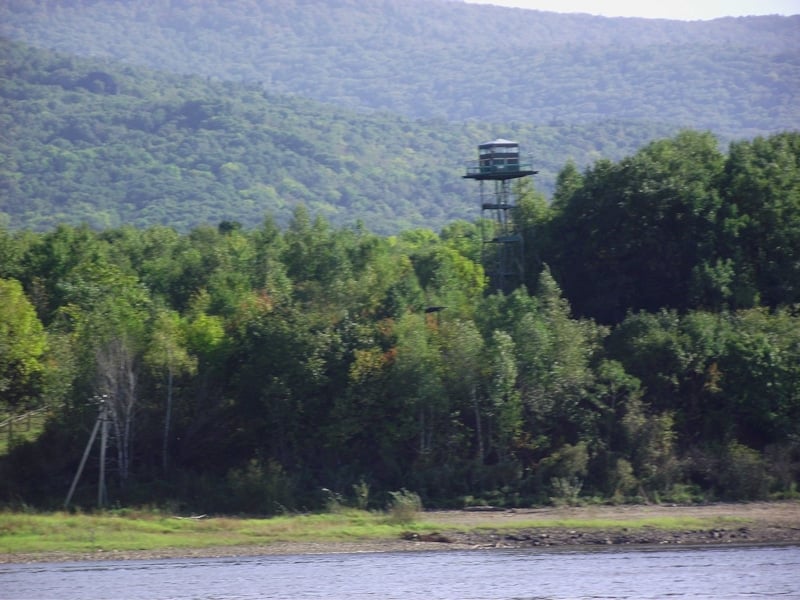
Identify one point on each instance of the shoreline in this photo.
(371, 547)
(752, 524)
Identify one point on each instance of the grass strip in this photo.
(660, 523)
(127, 530)
(65, 532)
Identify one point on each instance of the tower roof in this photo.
(499, 142)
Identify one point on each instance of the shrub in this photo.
(683, 493)
(568, 462)
(404, 506)
(784, 467)
(260, 488)
(334, 503)
(743, 474)
(566, 491)
(361, 492)
(623, 480)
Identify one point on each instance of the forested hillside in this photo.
(88, 142)
(450, 60)
(249, 369)
(188, 113)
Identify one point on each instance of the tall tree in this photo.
(760, 377)
(632, 235)
(761, 224)
(463, 374)
(554, 355)
(23, 343)
(417, 376)
(504, 397)
(117, 383)
(167, 352)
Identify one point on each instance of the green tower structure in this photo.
(503, 253)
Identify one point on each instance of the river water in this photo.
(722, 573)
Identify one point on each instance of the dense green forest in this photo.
(435, 59)
(652, 354)
(245, 225)
(84, 141)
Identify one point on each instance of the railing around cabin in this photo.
(497, 165)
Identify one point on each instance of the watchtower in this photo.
(497, 165)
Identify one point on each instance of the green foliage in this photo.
(505, 403)
(342, 359)
(187, 151)
(16, 429)
(23, 344)
(568, 462)
(565, 470)
(633, 232)
(742, 475)
(679, 225)
(565, 491)
(260, 489)
(651, 439)
(624, 482)
(361, 494)
(169, 113)
(153, 529)
(761, 221)
(563, 68)
(404, 507)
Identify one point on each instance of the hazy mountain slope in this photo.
(88, 141)
(409, 88)
(449, 60)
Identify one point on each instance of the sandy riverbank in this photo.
(772, 523)
(752, 523)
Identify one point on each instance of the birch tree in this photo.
(168, 355)
(116, 380)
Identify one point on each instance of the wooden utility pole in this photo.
(102, 419)
(101, 485)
